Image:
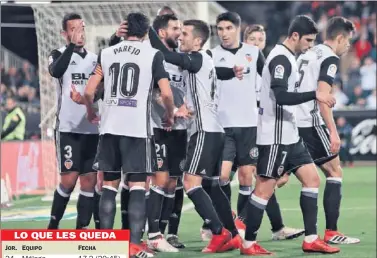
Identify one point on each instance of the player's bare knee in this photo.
(88, 182)
(226, 169)
(245, 175)
(191, 181)
(332, 168)
(172, 183)
(160, 178)
(68, 180)
(264, 187)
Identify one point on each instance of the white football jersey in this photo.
(71, 117)
(318, 64)
(202, 97)
(129, 69)
(178, 87)
(237, 98)
(277, 123)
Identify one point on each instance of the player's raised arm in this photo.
(191, 62)
(280, 69)
(260, 62)
(59, 62)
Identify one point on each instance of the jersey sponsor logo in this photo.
(279, 72)
(73, 63)
(254, 153)
(248, 58)
(79, 78)
(121, 102)
(222, 59)
(331, 71)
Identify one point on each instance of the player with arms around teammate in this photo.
(238, 114)
(315, 121)
(203, 159)
(170, 143)
(129, 70)
(280, 147)
(76, 138)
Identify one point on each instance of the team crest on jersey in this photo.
(254, 153)
(94, 63)
(279, 72)
(160, 162)
(68, 163)
(182, 164)
(331, 71)
(280, 170)
(248, 58)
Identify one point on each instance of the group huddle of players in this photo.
(160, 115)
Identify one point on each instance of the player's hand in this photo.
(99, 180)
(76, 96)
(78, 34)
(92, 117)
(168, 121)
(122, 30)
(182, 112)
(326, 98)
(334, 142)
(238, 72)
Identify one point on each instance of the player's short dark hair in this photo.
(232, 17)
(138, 25)
(303, 25)
(338, 25)
(69, 17)
(252, 28)
(165, 9)
(161, 22)
(201, 29)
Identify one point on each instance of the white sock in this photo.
(248, 244)
(310, 238)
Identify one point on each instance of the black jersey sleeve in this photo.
(191, 62)
(59, 62)
(328, 69)
(260, 63)
(158, 68)
(114, 39)
(280, 69)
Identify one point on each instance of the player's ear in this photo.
(63, 33)
(162, 33)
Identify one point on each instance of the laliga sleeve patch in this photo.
(279, 72)
(331, 71)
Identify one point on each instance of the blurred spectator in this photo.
(341, 98)
(368, 75)
(345, 135)
(14, 122)
(371, 100)
(357, 98)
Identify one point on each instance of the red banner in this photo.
(21, 166)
